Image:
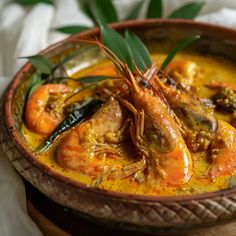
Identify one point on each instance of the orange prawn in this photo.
(39, 114)
(198, 124)
(223, 151)
(183, 72)
(156, 134)
(85, 146)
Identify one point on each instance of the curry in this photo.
(157, 133)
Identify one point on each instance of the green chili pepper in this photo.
(71, 120)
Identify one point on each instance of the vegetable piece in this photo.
(180, 46)
(72, 29)
(188, 11)
(140, 53)
(225, 99)
(71, 120)
(155, 9)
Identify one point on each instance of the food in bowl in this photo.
(159, 132)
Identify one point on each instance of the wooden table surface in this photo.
(53, 220)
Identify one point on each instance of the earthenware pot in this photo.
(150, 214)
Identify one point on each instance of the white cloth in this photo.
(25, 31)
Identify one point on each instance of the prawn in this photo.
(86, 148)
(203, 132)
(183, 72)
(39, 114)
(223, 151)
(156, 134)
(197, 122)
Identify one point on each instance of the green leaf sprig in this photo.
(41, 64)
(34, 82)
(154, 9)
(139, 51)
(44, 70)
(117, 44)
(179, 47)
(129, 49)
(104, 11)
(72, 29)
(43, 67)
(188, 11)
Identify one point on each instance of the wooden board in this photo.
(53, 220)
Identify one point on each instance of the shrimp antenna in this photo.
(108, 52)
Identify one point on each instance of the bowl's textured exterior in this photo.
(140, 213)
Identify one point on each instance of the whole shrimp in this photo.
(202, 131)
(90, 144)
(40, 116)
(157, 135)
(197, 122)
(223, 151)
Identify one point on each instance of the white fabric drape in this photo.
(24, 32)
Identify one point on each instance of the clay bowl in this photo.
(149, 214)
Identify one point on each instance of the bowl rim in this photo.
(218, 31)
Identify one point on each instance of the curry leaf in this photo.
(41, 63)
(71, 120)
(94, 78)
(34, 87)
(117, 44)
(34, 83)
(133, 14)
(104, 11)
(86, 9)
(188, 11)
(32, 2)
(155, 9)
(139, 51)
(72, 29)
(180, 46)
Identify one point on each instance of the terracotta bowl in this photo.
(150, 214)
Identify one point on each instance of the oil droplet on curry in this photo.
(161, 133)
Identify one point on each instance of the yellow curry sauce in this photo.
(211, 68)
